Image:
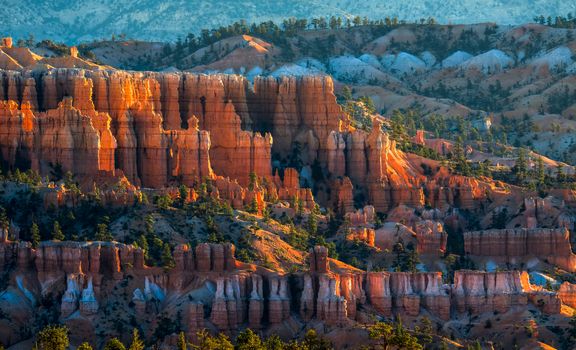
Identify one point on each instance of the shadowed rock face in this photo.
(89, 276)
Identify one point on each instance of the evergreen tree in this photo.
(208, 342)
(521, 166)
(274, 342)
(103, 232)
(312, 224)
(57, 233)
(459, 158)
(347, 94)
(560, 174)
(142, 243)
(114, 344)
(540, 172)
(248, 340)
(183, 194)
(85, 346)
(389, 336)
(167, 258)
(137, 343)
(35, 235)
(4, 220)
(164, 201)
(253, 207)
(313, 341)
(53, 338)
(253, 181)
(182, 344)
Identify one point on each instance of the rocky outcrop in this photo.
(431, 237)
(289, 189)
(138, 118)
(162, 129)
(567, 293)
(476, 291)
(303, 109)
(342, 196)
(319, 262)
(208, 288)
(517, 245)
(366, 235)
(408, 292)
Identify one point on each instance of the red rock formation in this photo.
(170, 85)
(319, 260)
(403, 297)
(435, 296)
(567, 293)
(512, 245)
(378, 292)
(343, 196)
(363, 234)
(420, 137)
(68, 139)
(235, 153)
(431, 237)
(289, 189)
(302, 109)
(195, 320)
(336, 148)
(256, 303)
(476, 292)
(362, 217)
(278, 300)
(239, 296)
(7, 42)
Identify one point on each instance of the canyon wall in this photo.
(519, 245)
(209, 288)
(162, 129)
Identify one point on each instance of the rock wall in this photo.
(478, 291)
(209, 288)
(567, 294)
(517, 245)
(162, 129)
(131, 121)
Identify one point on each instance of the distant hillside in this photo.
(78, 20)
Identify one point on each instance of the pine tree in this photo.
(312, 224)
(4, 220)
(560, 175)
(181, 345)
(521, 166)
(53, 338)
(57, 234)
(137, 343)
(85, 346)
(114, 344)
(459, 157)
(253, 207)
(540, 172)
(253, 181)
(143, 244)
(183, 194)
(103, 232)
(35, 235)
(347, 94)
(248, 340)
(167, 258)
